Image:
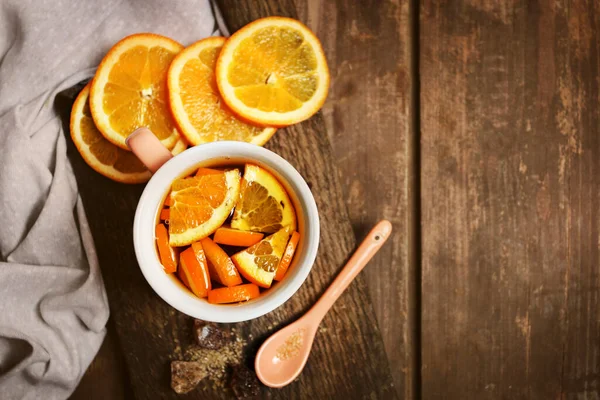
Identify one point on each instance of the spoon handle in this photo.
(367, 249)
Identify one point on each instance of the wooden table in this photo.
(474, 127)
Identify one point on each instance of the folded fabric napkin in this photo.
(53, 308)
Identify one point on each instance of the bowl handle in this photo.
(148, 148)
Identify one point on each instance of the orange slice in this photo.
(168, 201)
(180, 146)
(193, 266)
(259, 263)
(167, 254)
(234, 294)
(220, 266)
(100, 154)
(288, 254)
(208, 171)
(200, 205)
(234, 237)
(130, 89)
(264, 205)
(183, 277)
(164, 214)
(196, 103)
(273, 72)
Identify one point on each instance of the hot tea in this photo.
(227, 232)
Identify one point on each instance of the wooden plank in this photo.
(510, 199)
(106, 377)
(348, 357)
(370, 127)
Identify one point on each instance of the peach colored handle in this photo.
(148, 148)
(367, 249)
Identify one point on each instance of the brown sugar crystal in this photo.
(185, 375)
(210, 336)
(214, 363)
(291, 347)
(217, 351)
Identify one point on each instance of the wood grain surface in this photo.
(510, 199)
(348, 358)
(371, 129)
(507, 189)
(107, 376)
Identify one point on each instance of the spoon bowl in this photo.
(282, 357)
(285, 353)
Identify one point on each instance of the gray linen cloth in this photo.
(53, 307)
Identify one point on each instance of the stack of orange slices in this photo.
(271, 73)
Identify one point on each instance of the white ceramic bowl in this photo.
(168, 287)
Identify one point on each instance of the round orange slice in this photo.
(264, 205)
(196, 104)
(200, 205)
(100, 154)
(273, 72)
(130, 89)
(259, 263)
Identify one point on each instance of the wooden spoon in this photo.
(282, 357)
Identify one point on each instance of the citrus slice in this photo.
(208, 171)
(100, 154)
(196, 103)
(130, 89)
(273, 72)
(195, 270)
(220, 266)
(288, 254)
(234, 294)
(180, 145)
(264, 205)
(259, 263)
(234, 237)
(164, 214)
(200, 205)
(168, 256)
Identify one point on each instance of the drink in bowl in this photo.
(225, 231)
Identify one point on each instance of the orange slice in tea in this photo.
(273, 72)
(164, 214)
(288, 254)
(100, 154)
(130, 89)
(220, 266)
(233, 294)
(200, 205)
(259, 263)
(235, 237)
(264, 205)
(196, 104)
(208, 171)
(193, 266)
(167, 255)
